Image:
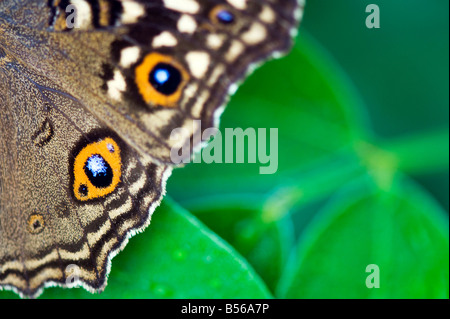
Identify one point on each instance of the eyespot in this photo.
(225, 17)
(97, 170)
(161, 80)
(165, 78)
(83, 190)
(35, 224)
(222, 15)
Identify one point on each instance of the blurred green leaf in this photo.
(303, 95)
(402, 231)
(307, 96)
(324, 143)
(176, 257)
(240, 221)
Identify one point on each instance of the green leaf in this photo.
(323, 145)
(402, 231)
(312, 95)
(307, 98)
(240, 221)
(176, 257)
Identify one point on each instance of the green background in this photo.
(399, 70)
(363, 174)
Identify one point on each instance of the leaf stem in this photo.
(311, 185)
(422, 153)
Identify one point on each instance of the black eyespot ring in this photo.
(165, 78)
(83, 190)
(98, 171)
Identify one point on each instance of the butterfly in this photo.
(90, 91)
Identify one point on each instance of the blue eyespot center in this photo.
(225, 16)
(98, 171)
(162, 76)
(165, 78)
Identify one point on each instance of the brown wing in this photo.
(46, 224)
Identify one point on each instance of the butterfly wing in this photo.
(148, 67)
(45, 225)
(87, 113)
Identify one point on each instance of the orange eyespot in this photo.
(35, 224)
(97, 170)
(161, 80)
